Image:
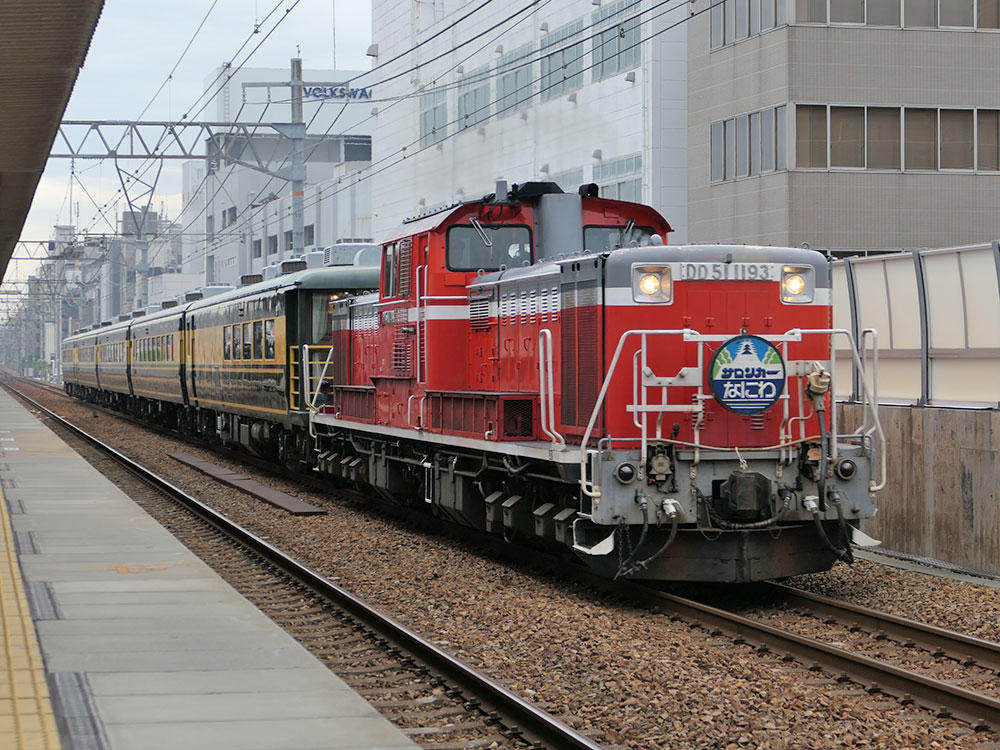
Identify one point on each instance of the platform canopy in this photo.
(42, 46)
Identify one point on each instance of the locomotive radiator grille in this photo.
(479, 314)
(581, 349)
(518, 418)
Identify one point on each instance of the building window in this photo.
(921, 13)
(883, 138)
(616, 48)
(562, 66)
(767, 140)
(926, 14)
(988, 14)
(735, 20)
(748, 145)
(810, 11)
(960, 13)
(620, 179)
(957, 139)
(882, 12)
(257, 248)
(847, 137)
(474, 98)
(730, 153)
(229, 216)
(718, 151)
(289, 243)
(742, 146)
(210, 226)
(989, 139)
(921, 138)
(847, 11)
(433, 117)
(309, 235)
(870, 138)
(568, 179)
(515, 83)
(272, 244)
(810, 136)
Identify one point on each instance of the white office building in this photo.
(238, 215)
(566, 91)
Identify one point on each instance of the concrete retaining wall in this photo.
(943, 483)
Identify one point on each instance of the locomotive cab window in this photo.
(469, 249)
(599, 239)
(390, 270)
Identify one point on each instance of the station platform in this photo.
(116, 636)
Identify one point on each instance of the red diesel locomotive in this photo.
(542, 365)
(538, 365)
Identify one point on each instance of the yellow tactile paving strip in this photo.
(26, 718)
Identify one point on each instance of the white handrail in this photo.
(586, 486)
(546, 392)
(792, 335)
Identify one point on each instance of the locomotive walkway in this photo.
(139, 644)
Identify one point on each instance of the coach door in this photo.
(192, 364)
(182, 363)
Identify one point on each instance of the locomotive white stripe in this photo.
(621, 296)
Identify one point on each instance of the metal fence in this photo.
(937, 314)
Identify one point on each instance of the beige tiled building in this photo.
(844, 123)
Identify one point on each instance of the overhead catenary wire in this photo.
(405, 151)
(191, 112)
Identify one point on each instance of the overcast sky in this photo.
(136, 45)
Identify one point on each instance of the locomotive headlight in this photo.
(797, 284)
(651, 283)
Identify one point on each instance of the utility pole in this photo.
(298, 134)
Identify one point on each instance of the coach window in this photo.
(469, 249)
(247, 342)
(269, 339)
(258, 339)
(227, 342)
(237, 347)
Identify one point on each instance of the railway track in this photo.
(434, 697)
(945, 698)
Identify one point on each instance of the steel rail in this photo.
(533, 723)
(966, 649)
(981, 711)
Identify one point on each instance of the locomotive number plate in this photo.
(728, 271)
